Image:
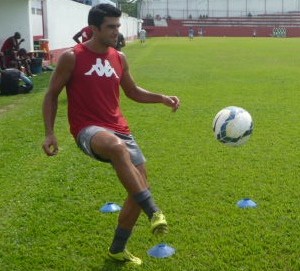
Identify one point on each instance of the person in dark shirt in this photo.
(2, 61)
(121, 42)
(13, 81)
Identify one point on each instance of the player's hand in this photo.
(50, 145)
(172, 101)
(22, 40)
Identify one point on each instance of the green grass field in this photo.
(49, 207)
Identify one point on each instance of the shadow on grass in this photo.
(110, 265)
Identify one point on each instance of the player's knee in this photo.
(119, 151)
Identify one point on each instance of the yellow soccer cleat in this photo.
(125, 256)
(159, 224)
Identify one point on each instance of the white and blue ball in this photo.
(233, 126)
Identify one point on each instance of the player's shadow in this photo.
(109, 265)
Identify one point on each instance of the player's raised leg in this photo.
(134, 179)
(111, 147)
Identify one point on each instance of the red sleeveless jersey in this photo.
(87, 33)
(93, 91)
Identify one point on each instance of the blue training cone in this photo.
(246, 203)
(161, 251)
(110, 208)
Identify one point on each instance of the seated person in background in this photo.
(85, 33)
(2, 61)
(24, 62)
(121, 42)
(10, 48)
(13, 81)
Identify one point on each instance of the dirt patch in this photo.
(6, 108)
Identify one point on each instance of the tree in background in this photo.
(131, 7)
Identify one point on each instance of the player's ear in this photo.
(95, 28)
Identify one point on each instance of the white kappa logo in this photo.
(102, 69)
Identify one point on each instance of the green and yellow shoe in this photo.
(125, 256)
(159, 224)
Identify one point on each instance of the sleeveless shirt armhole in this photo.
(121, 61)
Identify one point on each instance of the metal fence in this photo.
(194, 9)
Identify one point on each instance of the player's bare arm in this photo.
(59, 79)
(77, 36)
(138, 94)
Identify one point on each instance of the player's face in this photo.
(108, 31)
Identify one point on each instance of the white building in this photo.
(95, 2)
(54, 20)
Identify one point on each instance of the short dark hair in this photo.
(17, 35)
(98, 12)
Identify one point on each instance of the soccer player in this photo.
(142, 35)
(85, 34)
(191, 33)
(92, 73)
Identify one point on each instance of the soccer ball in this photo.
(233, 126)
